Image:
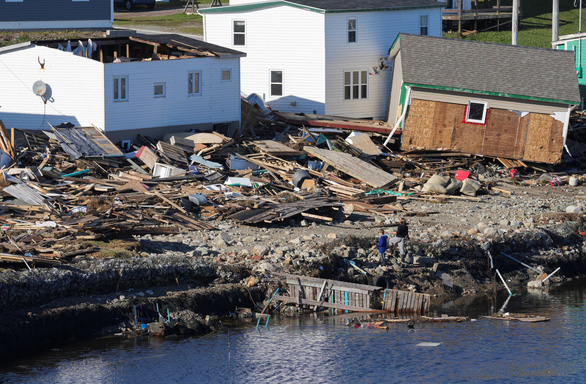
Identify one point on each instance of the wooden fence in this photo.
(335, 294)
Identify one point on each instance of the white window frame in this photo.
(190, 90)
(163, 94)
(426, 25)
(349, 30)
(484, 112)
(229, 70)
(352, 86)
(271, 82)
(234, 33)
(117, 90)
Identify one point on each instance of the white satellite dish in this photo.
(39, 88)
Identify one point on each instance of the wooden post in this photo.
(475, 15)
(101, 56)
(459, 16)
(498, 15)
(555, 20)
(515, 28)
(128, 50)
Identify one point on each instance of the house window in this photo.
(351, 30)
(160, 90)
(226, 74)
(121, 88)
(476, 112)
(194, 83)
(239, 32)
(276, 83)
(355, 85)
(423, 24)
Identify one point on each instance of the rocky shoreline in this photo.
(213, 272)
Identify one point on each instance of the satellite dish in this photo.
(39, 88)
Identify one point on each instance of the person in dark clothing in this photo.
(401, 234)
(382, 246)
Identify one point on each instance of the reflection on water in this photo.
(318, 349)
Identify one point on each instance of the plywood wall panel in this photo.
(500, 135)
(544, 139)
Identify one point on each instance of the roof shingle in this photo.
(536, 73)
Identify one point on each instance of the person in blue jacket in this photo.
(382, 246)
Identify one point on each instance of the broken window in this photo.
(355, 85)
(160, 90)
(239, 32)
(476, 112)
(423, 24)
(351, 30)
(193, 83)
(276, 83)
(226, 74)
(121, 88)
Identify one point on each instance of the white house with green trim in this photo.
(319, 56)
(576, 43)
(482, 98)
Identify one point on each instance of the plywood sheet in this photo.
(544, 139)
(363, 171)
(419, 125)
(444, 120)
(501, 133)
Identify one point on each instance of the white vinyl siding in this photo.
(217, 102)
(372, 44)
(278, 38)
(64, 74)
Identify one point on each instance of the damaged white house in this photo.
(319, 56)
(482, 98)
(149, 85)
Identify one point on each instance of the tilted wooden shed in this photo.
(482, 98)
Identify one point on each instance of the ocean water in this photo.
(322, 349)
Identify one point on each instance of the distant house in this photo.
(319, 56)
(577, 44)
(144, 84)
(482, 98)
(56, 14)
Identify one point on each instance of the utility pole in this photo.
(515, 23)
(555, 21)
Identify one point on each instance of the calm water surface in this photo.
(318, 349)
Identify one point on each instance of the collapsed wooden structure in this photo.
(316, 292)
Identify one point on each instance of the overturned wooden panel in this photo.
(434, 125)
(85, 142)
(501, 133)
(274, 148)
(544, 139)
(354, 167)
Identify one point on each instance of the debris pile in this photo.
(62, 189)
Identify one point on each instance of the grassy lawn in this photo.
(179, 22)
(535, 26)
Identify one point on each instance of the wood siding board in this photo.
(501, 133)
(522, 136)
(544, 139)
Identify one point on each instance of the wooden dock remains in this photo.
(316, 292)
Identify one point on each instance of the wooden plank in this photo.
(314, 281)
(98, 137)
(354, 167)
(324, 304)
(274, 148)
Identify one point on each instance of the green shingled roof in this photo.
(487, 68)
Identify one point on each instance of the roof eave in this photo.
(489, 93)
(15, 47)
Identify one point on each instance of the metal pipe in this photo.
(550, 275)
(503, 280)
(401, 117)
(522, 263)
